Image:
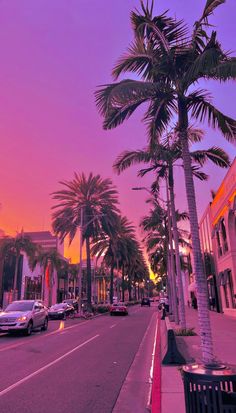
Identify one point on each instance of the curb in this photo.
(156, 384)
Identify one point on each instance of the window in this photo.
(224, 236)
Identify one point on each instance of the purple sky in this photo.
(53, 55)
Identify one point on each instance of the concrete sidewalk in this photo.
(224, 339)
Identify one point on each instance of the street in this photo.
(76, 369)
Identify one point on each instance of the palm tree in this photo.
(73, 270)
(97, 198)
(51, 261)
(162, 158)
(112, 244)
(171, 61)
(15, 246)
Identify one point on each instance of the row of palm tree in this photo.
(171, 60)
(105, 232)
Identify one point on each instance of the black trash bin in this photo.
(209, 390)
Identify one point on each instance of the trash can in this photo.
(209, 389)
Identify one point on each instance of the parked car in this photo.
(72, 302)
(145, 301)
(25, 316)
(61, 311)
(118, 308)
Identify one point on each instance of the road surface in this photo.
(76, 369)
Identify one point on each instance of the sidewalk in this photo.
(224, 339)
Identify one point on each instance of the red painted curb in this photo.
(156, 384)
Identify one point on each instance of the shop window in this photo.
(224, 236)
(218, 243)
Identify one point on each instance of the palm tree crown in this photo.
(97, 199)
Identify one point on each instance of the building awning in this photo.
(192, 287)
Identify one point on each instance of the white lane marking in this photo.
(113, 325)
(152, 365)
(25, 341)
(35, 373)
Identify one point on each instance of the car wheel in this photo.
(29, 329)
(45, 325)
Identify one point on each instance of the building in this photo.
(205, 231)
(223, 218)
(30, 284)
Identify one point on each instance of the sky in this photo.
(54, 54)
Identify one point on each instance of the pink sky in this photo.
(53, 55)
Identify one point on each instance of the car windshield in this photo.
(20, 306)
(60, 306)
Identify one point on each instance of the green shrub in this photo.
(185, 332)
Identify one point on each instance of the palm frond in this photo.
(205, 61)
(128, 158)
(197, 173)
(117, 102)
(138, 59)
(159, 114)
(203, 110)
(215, 154)
(209, 8)
(225, 70)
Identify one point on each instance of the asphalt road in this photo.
(76, 369)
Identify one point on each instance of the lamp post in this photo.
(170, 265)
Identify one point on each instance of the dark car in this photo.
(118, 309)
(145, 301)
(72, 302)
(61, 311)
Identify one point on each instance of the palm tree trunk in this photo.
(129, 288)
(202, 295)
(112, 283)
(123, 283)
(177, 256)
(172, 263)
(15, 277)
(50, 289)
(169, 283)
(89, 285)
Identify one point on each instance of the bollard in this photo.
(172, 356)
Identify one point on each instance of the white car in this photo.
(24, 315)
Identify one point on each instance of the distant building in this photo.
(30, 284)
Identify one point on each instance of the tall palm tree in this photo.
(51, 261)
(171, 60)
(162, 156)
(97, 198)
(15, 246)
